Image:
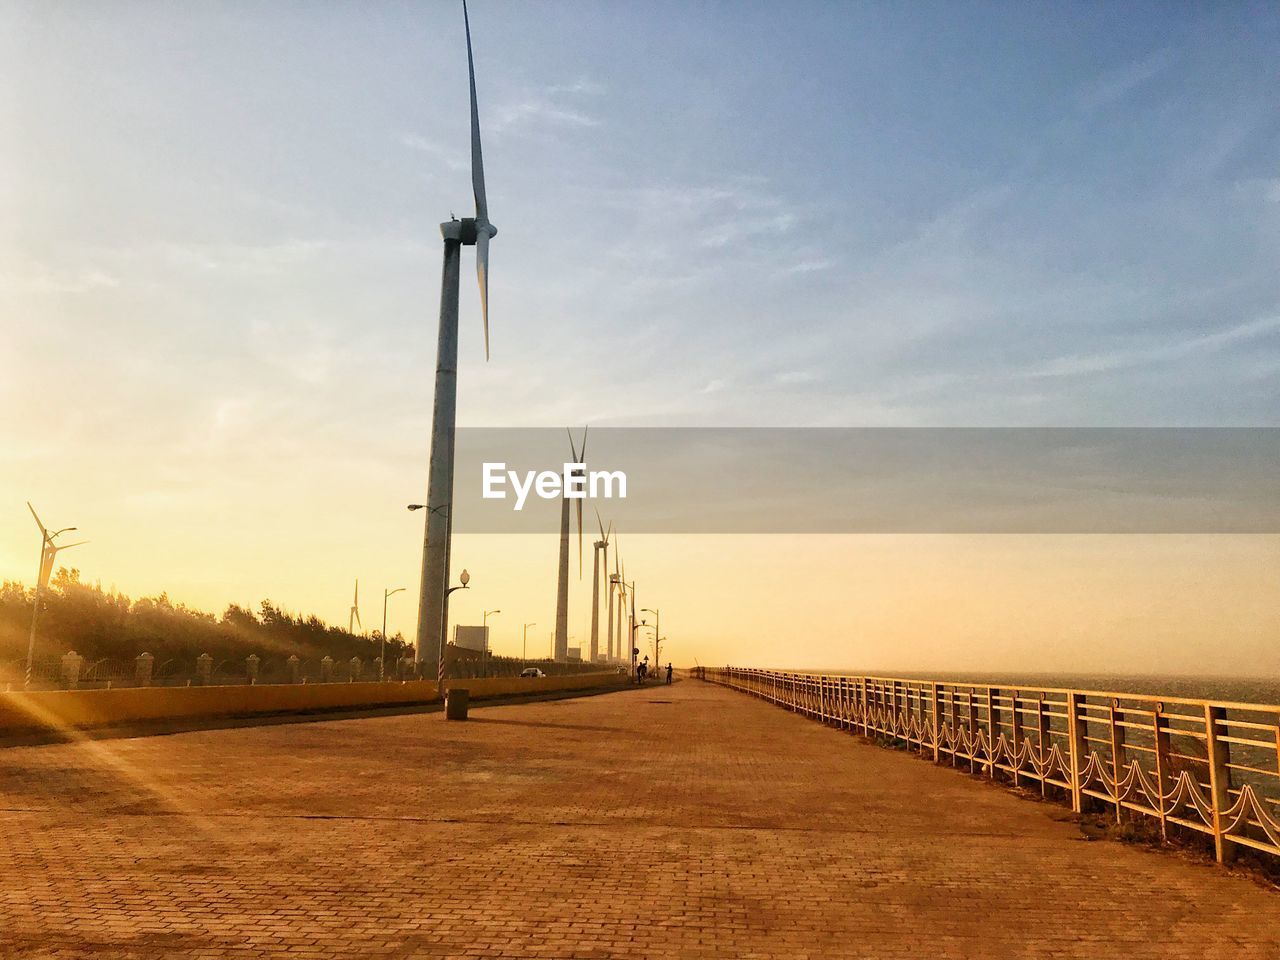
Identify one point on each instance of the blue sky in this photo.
(219, 252)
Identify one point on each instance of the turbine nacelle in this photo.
(467, 230)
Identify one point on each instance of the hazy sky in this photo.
(219, 279)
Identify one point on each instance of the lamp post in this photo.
(634, 649)
(464, 578)
(484, 655)
(382, 656)
(524, 646)
(48, 551)
(657, 632)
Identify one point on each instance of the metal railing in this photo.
(1210, 767)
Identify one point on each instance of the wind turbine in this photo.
(562, 580)
(48, 553)
(620, 588)
(601, 544)
(354, 616)
(433, 603)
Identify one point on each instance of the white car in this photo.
(532, 672)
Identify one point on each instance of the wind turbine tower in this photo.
(477, 232)
(600, 545)
(561, 648)
(353, 618)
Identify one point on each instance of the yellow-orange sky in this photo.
(1170, 603)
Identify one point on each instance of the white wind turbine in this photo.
(48, 554)
(478, 231)
(601, 545)
(353, 617)
(561, 648)
(618, 585)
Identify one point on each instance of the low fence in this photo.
(23, 711)
(71, 671)
(1210, 767)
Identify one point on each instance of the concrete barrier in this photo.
(83, 709)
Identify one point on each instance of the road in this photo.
(683, 821)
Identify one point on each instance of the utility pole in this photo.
(484, 656)
(524, 646)
(382, 657)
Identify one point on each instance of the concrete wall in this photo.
(75, 709)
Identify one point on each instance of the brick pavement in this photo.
(688, 821)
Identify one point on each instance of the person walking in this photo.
(668, 674)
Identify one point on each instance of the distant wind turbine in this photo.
(433, 604)
(48, 554)
(353, 617)
(562, 579)
(601, 545)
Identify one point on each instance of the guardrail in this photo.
(1210, 767)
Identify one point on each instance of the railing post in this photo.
(1015, 722)
(1044, 742)
(1160, 736)
(935, 727)
(864, 712)
(1117, 753)
(973, 731)
(71, 664)
(142, 669)
(1219, 752)
(955, 726)
(993, 732)
(1076, 737)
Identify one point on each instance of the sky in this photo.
(219, 282)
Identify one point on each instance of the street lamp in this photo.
(48, 551)
(464, 578)
(634, 649)
(657, 632)
(382, 657)
(484, 655)
(524, 646)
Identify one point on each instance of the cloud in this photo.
(449, 158)
(809, 266)
(1118, 82)
(1084, 364)
(536, 111)
(792, 378)
(580, 87)
(714, 386)
(41, 278)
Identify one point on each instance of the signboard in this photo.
(470, 638)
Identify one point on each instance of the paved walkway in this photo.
(687, 821)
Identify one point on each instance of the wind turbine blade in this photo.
(68, 546)
(477, 161)
(601, 523)
(482, 275)
(34, 514)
